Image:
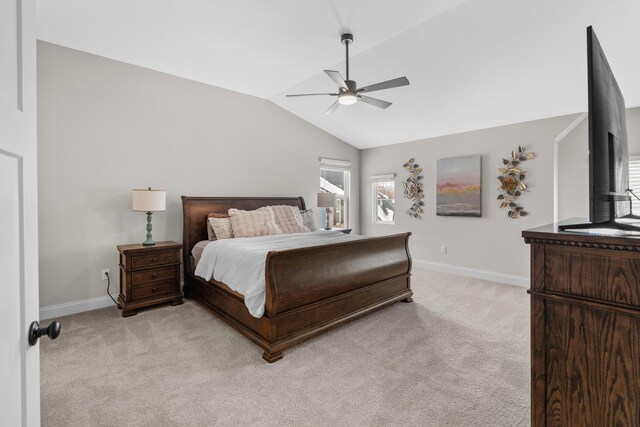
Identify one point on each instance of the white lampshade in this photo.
(149, 200)
(326, 200)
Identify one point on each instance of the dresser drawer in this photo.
(152, 275)
(593, 273)
(155, 259)
(152, 289)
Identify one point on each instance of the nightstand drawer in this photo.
(152, 275)
(153, 289)
(155, 259)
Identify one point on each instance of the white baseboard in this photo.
(74, 307)
(475, 273)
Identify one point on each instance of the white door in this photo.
(19, 363)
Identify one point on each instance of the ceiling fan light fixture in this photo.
(347, 98)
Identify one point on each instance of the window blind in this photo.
(338, 165)
(385, 177)
(634, 182)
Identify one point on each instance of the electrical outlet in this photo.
(104, 273)
(443, 250)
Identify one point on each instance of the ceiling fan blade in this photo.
(374, 101)
(400, 81)
(337, 78)
(312, 94)
(333, 108)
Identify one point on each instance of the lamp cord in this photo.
(109, 293)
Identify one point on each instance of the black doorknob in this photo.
(35, 331)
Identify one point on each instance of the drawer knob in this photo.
(154, 289)
(154, 259)
(154, 275)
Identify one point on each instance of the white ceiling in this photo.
(472, 64)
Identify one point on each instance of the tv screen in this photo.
(608, 147)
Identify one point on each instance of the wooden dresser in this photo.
(585, 329)
(149, 275)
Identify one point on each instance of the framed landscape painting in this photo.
(458, 186)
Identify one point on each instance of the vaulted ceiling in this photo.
(472, 64)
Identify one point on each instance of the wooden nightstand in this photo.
(149, 275)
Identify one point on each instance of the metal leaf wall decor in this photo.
(512, 182)
(413, 188)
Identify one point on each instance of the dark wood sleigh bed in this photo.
(308, 290)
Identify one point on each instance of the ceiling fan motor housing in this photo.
(351, 86)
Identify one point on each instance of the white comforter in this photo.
(240, 263)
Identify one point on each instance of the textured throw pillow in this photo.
(309, 219)
(210, 232)
(287, 219)
(221, 228)
(253, 223)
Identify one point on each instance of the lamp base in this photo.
(328, 227)
(149, 241)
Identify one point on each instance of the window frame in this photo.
(345, 167)
(375, 179)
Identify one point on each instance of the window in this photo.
(634, 183)
(334, 178)
(384, 199)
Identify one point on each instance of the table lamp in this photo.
(149, 201)
(327, 200)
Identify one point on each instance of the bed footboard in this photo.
(310, 290)
(298, 277)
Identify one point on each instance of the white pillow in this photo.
(253, 223)
(309, 219)
(287, 218)
(221, 228)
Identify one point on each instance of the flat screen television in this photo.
(609, 197)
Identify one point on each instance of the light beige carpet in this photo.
(457, 356)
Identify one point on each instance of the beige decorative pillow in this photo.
(287, 218)
(221, 228)
(309, 219)
(253, 223)
(210, 232)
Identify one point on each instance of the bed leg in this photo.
(272, 357)
(407, 299)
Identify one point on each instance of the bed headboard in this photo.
(196, 209)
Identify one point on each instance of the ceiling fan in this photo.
(348, 92)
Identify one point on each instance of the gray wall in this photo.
(573, 173)
(491, 243)
(573, 166)
(106, 127)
